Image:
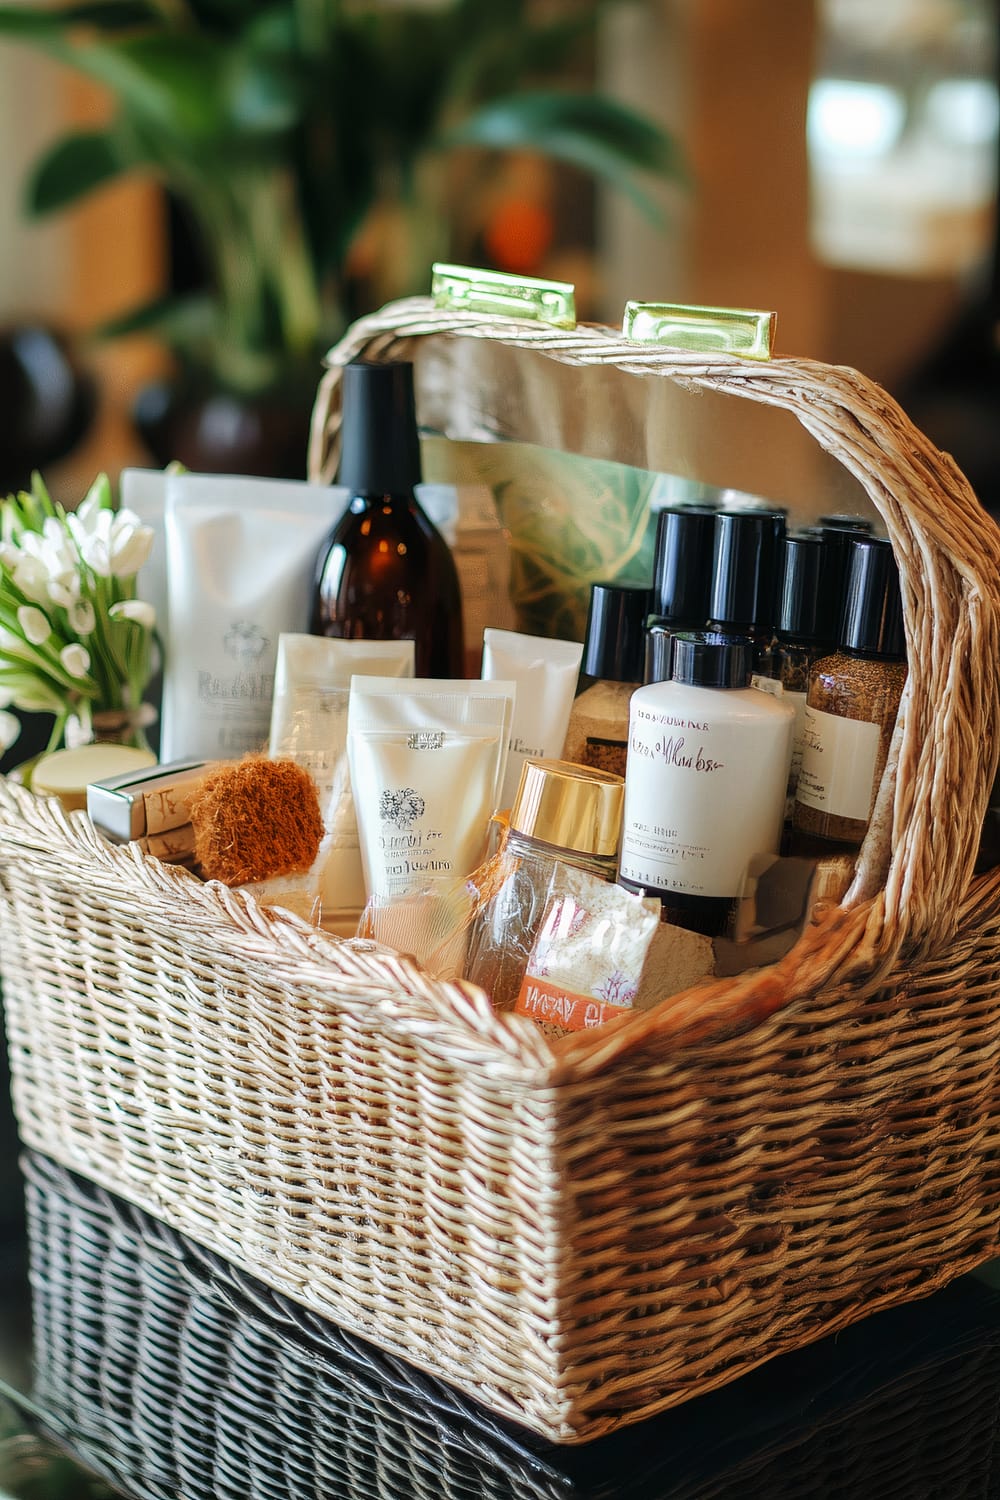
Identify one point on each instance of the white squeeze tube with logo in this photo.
(241, 562)
(312, 688)
(546, 674)
(427, 759)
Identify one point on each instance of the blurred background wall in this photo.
(842, 170)
(88, 265)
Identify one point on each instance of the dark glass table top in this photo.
(162, 1371)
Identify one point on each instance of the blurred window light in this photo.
(854, 120)
(963, 111)
(902, 135)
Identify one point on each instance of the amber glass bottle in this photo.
(386, 573)
(851, 704)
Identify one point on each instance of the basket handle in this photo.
(919, 855)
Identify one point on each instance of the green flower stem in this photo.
(43, 659)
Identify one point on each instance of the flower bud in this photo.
(82, 619)
(10, 728)
(76, 659)
(35, 624)
(136, 610)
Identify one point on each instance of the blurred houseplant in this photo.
(298, 134)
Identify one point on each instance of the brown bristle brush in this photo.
(256, 818)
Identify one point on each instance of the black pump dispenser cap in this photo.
(615, 643)
(380, 446)
(659, 650)
(682, 570)
(873, 608)
(745, 567)
(842, 521)
(807, 607)
(712, 658)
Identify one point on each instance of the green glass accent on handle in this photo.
(706, 330)
(498, 294)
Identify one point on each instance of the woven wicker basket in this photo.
(174, 1374)
(578, 1232)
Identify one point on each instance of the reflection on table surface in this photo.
(167, 1373)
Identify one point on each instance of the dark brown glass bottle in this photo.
(386, 573)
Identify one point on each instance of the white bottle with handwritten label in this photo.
(705, 781)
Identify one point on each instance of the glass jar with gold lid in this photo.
(563, 813)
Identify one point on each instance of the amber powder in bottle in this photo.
(613, 655)
(809, 602)
(852, 702)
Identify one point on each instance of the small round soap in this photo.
(66, 774)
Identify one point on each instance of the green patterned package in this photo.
(571, 522)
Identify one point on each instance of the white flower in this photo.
(92, 534)
(93, 502)
(110, 543)
(55, 546)
(65, 597)
(31, 577)
(131, 544)
(136, 610)
(81, 616)
(76, 659)
(10, 728)
(39, 700)
(52, 550)
(77, 732)
(6, 697)
(35, 624)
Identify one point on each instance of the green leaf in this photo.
(587, 130)
(178, 320)
(263, 96)
(73, 167)
(111, 15)
(167, 80)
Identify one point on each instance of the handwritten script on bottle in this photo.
(674, 750)
(703, 796)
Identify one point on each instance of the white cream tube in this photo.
(312, 687)
(427, 759)
(241, 563)
(546, 674)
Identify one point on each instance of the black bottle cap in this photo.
(380, 446)
(682, 567)
(745, 567)
(712, 658)
(808, 604)
(844, 522)
(659, 650)
(744, 500)
(615, 642)
(873, 609)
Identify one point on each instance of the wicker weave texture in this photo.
(176, 1375)
(586, 1231)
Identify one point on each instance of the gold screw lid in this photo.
(570, 806)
